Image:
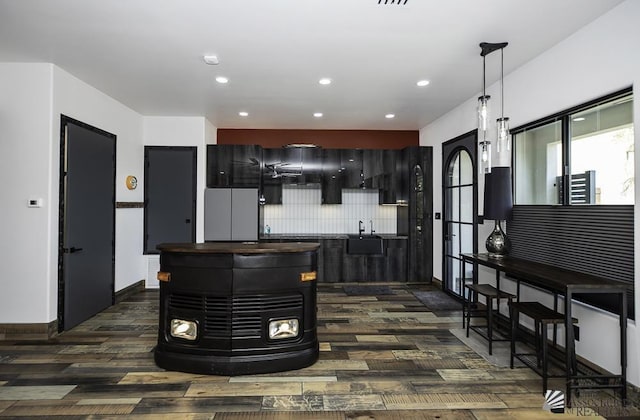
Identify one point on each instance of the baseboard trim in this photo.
(33, 331)
(136, 287)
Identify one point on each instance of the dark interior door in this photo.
(460, 209)
(170, 195)
(87, 222)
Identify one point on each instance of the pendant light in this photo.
(503, 139)
(483, 123)
(484, 139)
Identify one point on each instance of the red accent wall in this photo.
(328, 139)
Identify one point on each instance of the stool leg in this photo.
(469, 311)
(490, 323)
(544, 357)
(465, 303)
(538, 344)
(513, 314)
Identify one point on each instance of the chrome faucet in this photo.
(360, 228)
(371, 224)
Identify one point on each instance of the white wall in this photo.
(32, 97)
(25, 164)
(598, 59)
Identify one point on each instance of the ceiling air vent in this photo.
(398, 2)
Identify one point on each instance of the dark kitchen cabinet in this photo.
(415, 220)
(233, 165)
(246, 166)
(271, 176)
(219, 159)
(331, 183)
(390, 180)
(353, 267)
(332, 260)
(372, 167)
(301, 165)
(395, 268)
(366, 268)
(352, 170)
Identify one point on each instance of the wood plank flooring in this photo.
(384, 355)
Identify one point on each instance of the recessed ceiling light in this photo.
(317, 114)
(325, 81)
(389, 116)
(222, 79)
(422, 83)
(578, 119)
(211, 59)
(243, 113)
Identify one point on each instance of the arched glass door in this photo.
(460, 230)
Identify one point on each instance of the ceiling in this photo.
(148, 54)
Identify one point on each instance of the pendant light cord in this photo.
(502, 81)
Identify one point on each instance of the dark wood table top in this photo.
(544, 275)
(239, 247)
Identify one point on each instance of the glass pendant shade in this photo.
(503, 138)
(483, 133)
(483, 112)
(485, 157)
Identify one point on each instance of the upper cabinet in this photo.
(301, 165)
(385, 170)
(233, 165)
(246, 165)
(352, 170)
(390, 180)
(271, 176)
(332, 179)
(219, 160)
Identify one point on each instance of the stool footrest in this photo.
(539, 312)
(489, 291)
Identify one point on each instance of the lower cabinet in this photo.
(332, 262)
(336, 266)
(364, 268)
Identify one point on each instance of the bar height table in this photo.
(566, 283)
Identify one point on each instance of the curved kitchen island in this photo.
(231, 308)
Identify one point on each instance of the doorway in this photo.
(169, 195)
(460, 209)
(86, 245)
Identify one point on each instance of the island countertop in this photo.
(239, 247)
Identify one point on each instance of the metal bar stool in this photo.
(490, 294)
(542, 316)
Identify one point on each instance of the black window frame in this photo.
(578, 245)
(564, 117)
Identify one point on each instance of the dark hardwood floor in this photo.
(386, 353)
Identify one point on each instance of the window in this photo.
(581, 156)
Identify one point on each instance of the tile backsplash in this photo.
(301, 211)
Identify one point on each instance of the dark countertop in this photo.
(320, 236)
(239, 247)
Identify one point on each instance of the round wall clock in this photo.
(132, 182)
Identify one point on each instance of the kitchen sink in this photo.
(365, 245)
